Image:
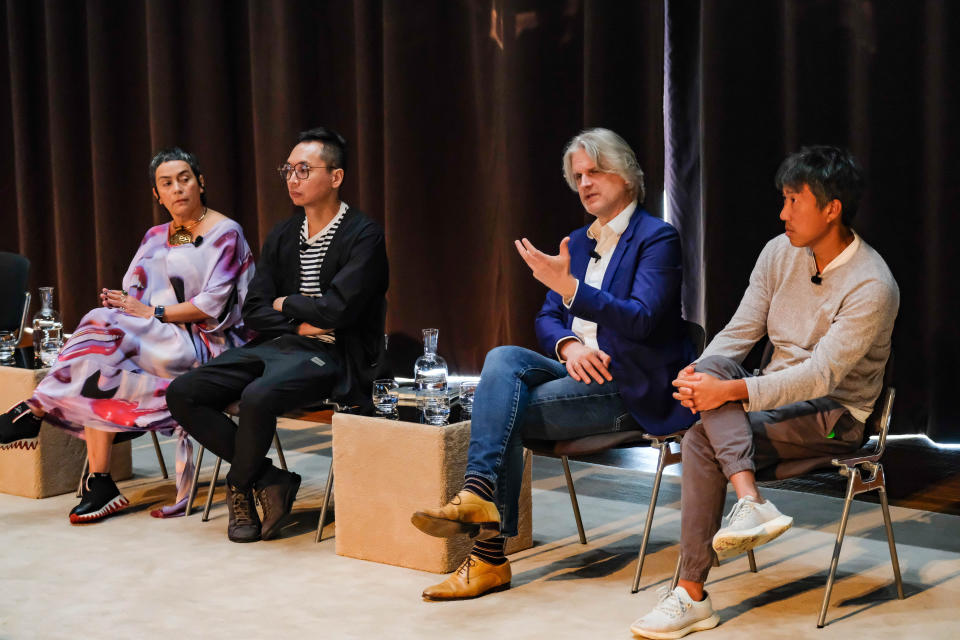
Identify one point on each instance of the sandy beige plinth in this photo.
(384, 470)
(52, 465)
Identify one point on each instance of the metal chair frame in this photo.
(864, 473)
(327, 491)
(156, 447)
(665, 458)
(216, 475)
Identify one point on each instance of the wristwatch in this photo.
(158, 312)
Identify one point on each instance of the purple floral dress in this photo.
(113, 373)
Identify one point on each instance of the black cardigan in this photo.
(354, 278)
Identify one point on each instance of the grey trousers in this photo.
(787, 441)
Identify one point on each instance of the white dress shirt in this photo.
(607, 237)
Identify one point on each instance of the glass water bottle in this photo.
(47, 330)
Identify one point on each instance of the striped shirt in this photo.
(312, 252)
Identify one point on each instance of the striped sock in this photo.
(490, 551)
(478, 486)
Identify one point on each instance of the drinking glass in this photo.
(436, 406)
(385, 396)
(467, 389)
(8, 344)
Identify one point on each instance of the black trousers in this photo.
(269, 379)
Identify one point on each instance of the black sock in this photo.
(478, 486)
(491, 550)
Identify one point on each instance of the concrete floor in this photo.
(136, 577)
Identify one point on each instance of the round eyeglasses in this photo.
(301, 169)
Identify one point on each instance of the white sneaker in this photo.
(676, 615)
(749, 524)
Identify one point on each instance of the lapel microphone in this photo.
(304, 246)
(816, 279)
(198, 241)
(594, 255)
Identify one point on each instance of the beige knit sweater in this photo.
(831, 339)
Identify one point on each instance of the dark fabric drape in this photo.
(869, 75)
(456, 111)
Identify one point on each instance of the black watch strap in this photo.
(158, 312)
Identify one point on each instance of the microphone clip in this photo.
(595, 255)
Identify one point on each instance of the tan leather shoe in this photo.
(467, 513)
(473, 579)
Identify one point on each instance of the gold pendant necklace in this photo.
(181, 234)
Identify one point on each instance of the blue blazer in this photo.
(639, 322)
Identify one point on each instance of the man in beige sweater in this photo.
(827, 302)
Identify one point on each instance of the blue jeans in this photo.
(521, 388)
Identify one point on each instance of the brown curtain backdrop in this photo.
(875, 76)
(456, 112)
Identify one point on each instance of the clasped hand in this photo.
(699, 391)
(584, 363)
(118, 299)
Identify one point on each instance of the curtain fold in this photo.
(873, 76)
(456, 113)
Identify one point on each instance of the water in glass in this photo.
(385, 396)
(430, 370)
(8, 343)
(47, 330)
(467, 390)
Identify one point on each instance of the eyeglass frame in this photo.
(286, 172)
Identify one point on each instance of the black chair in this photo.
(864, 473)
(14, 297)
(598, 443)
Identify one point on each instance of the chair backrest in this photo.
(13, 284)
(878, 424)
(697, 335)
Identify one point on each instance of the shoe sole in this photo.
(22, 443)
(443, 528)
(271, 533)
(114, 506)
(502, 587)
(738, 542)
(699, 625)
(242, 540)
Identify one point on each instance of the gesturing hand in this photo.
(278, 304)
(553, 271)
(584, 363)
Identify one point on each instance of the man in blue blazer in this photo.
(612, 327)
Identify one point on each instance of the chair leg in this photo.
(661, 464)
(276, 445)
(83, 476)
(213, 484)
(893, 545)
(196, 480)
(676, 574)
(836, 550)
(156, 447)
(326, 503)
(573, 499)
(753, 561)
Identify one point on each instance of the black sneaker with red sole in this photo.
(101, 498)
(19, 428)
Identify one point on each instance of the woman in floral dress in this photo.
(179, 306)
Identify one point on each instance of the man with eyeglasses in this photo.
(317, 304)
